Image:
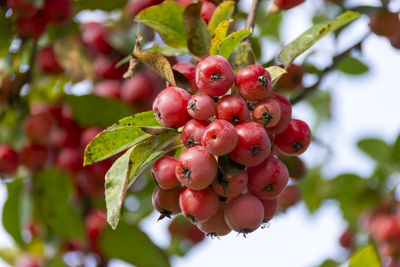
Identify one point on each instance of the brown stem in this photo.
(251, 17)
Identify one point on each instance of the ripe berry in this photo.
(384, 227)
(170, 107)
(37, 127)
(230, 187)
(27, 260)
(94, 35)
(219, 138)
(232, 108)
(196, 168)
(133, 7)
(95, 223)
(207, 10)
(189, 71)
(286, 113)
(287, 4)
(216, 225)
(181, 229)
(384, 23)
(192, 133)
(24, 9)
(32, 27)
(70, 159)
(295, 139)
(267, 113)
(289, 197)
(198, 205)
(34, 157)
(214, 75)
(166, 202)
(292, 79)
(346, 240)
(58, 11)
(107, 89)
(8, 160)
(253, 145)
(201, 107)
(270, 208)
(244, 213)
(106, 68)
(138, 91)
(267, 180)
(253, 82)
(295, 165)
(47, 61)
(163, 172)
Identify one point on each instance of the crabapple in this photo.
(253, 82)
(58, 11)
(295, 165)
(286, 113)
(133, 7)
(34, 157)
(8, 159)
(232, 108)
(198, 205)
(27, 260)
(192, 133)
(270, 208)
(295, 139)
(201, 107)
(166, 201)
(292, 79)
(32, 27)
(94, 35)
(180, 228)
(107, 89)
(346, 239)
(287, 4)
(267, 113)
(219, 138)
(232, 186)
(95, 222)
(289, 197)
(47, 60)
(138, 91)
(88, 135)
(163, 172)
(24, 9)
(207, 10)
(105, 67)
(216, 225)
(70, 159)
(37, 127)
(384, 23)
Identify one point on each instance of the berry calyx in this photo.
(253, 82)
(295, 139)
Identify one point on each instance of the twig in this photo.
(251, 17)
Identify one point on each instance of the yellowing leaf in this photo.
(275, 72)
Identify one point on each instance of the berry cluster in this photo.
(244, 129)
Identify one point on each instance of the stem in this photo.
(251, 17)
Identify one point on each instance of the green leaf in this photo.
(321, 102)
(365, 257)
(90, 110)
(376, 149)
(329, 263)
(229, 43)
(139, 119)
(311, 188)
(223, 12)
(143, 253)
(396, 150)
(167, 20)
(105, 5)
(9, 255)
(5, 33)
(198, 37)
(218, 35)
(242, 56)
(275, 72)
(312, 35)
(352, 66)
(270, 24)
(168, 51)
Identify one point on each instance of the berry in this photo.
(180, 228)
(253, 82)
(201, 107)
(244, 214)
(198, 205)
(267, 113)
(207, 10)
(295, 139)
(189, 71)
(8, 160)
(287, 4)
(216, 225)
(27, 260)
(196, 168)
(34, 157)
(133, 7)
(95, 35)
(289, 197)
(269, 179)
(253, 145)
(192, 133)
(214, 75)
(346, 240)
(384, 227)
(292, 79)
(286, 113)
(219, 138)
(47, 61)
(270, 208)
(139, 92)
(170, 107)
(166, 202)
(37, 127)
(232, 108)
(106, 68)
(230, 187)
(163, 172)
(95, 223)
(295, 165)
(24, 9)
(70, 159)
(107, 89)
(58, 11)
(384, 23)
(32, 27)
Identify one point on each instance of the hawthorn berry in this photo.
(232, 108)
(166, 202)
(267, 113)
(34, 157)
(201, 107)
(219, 138)
(230, 187)
(198, 205)
(295, 139)
(192, 132)
(286, 113)
(253, 82)
(163, 172)
(8, 160)
(216, 225)
(292, 79)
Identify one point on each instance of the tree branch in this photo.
(251, 17)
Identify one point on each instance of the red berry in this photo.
(270, 208)
(106, 68)
(189, 71)
(295, 139)
(163, 172)
(230, 187)
(253, 82)
(219, 138)
(95, 223)
(232, 108)
(289, 197)
(192, 133)
(37, 127)
(58, 11)
(170, 107)
(34, 157)
(133, 7)
(207, 10)
(267, 113)
(184, 3)
(196, 168)
(346, 240)
(107, 89)
(95, 35)
(8, 160)
(70, 159)
(295, 165)
(286, 113)
(292, 79)
(216, 225)
(201, 107)
(198, 205)
(166, 202)
(384, 23)
(269, 179)
(253, 145)
(27, 260)
(47, 61)
(138, 91)
(24, 9)
(214, 75)
(244, 213)
(384, 227)
(287, 4)
(32, 27)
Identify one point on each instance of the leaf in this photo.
(157, 62)
(228, 44)
(376, 149)
(312, 35)
(105, 5)
(311, 188)
(167, 20)
(90, 110)
(218, 35)
(321, 102)
(118, 244)
(139, 119)
(198, 37)
(5, 33)
(396, 150)
(270, 24)
(329, 263)
(242, 56)
(9, 255)
(167, 50)
(352, 66)
(223, 12)
(365, 257)
(275, 72)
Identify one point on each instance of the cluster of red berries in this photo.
(221, 125)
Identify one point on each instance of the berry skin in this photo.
(286, 113)
(289, 197)
(24, 9)
(166, 202)
(139, 92)
(196, 168)
(105, 67)
(201, 107)
(189, 71)
(384, 23)
(253, 82)
(346, 240)
(253, 145)
(8, 160)
(267, 113)
(58, 11)
(292, 79)
(287, 4)
(32, 27)
(192, 133)
(232, 108)
(295, 139)
(384, 227)
(70, 159)
(133, 7)
(27, 260)
(198, 205)
(214, 75)
(216, 225)
(34, 157)
(107, 89)
(270, 208)
(181, 229)
(95, 222)
(269, 179)
(230, 187)
(37, 127)
(47, 61)
(219, 138)
(170, 107)
(94, 35)
(244, 214)
(163, 172)
(207, 10)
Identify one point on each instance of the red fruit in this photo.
(201, 107)
(219, 138)
(198, 205)
(189, 71)
(270, 208)
(292, 79)
(253, 82)
(384, 23)
(170, 107)
(184, 3)
(384, 228)
(37, 127)
(207, 10)
(88, 135)
(269, 179)
(244, 213)
(94, 35)
(267, 113)
(95, 223)
(32, 27)
(24, 9)
(47, 61)
(214, 75)
(27, 260)
(106, 68)
(8, 160)
(346, 240)
(286, 113)
(180, 228)
(253, 145)
(192, 133)
(295, 139)
(295, 165)
(216, 225)
(287, 4)
(58, 11)
(230, 187)
(107, 89)
(289, 197)
(163, 172)
(196, 168)
(138, 91)
(34, 157)
(70, 159)
(166, 202)
(232, 108)
(133, 7)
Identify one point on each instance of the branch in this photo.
(251, 17)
